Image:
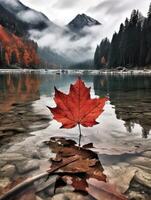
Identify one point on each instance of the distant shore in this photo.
(81, 71)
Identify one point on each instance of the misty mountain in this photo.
(57, 45)
(52, 57)
(82, 21)
(30, 18)
(11, 23)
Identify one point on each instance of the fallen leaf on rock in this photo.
(97, 189)
(87, 161)
(101, 190)
(92, 181)
(121, 176)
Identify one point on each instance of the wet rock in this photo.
(147, 154)
(120, 176)
(143, 178)
(21, 112)
(142, 161)
(2, 163)
(148, 115)
(146, 169)
(25, 167)
(69, 196)
(18, 122)
(36, 127)
(42, 184)
(64, 189)
(38, 198)
(35, 154)
(13, 129)
(136, 196)
(10, 157)
(4, 182)
(8, 170)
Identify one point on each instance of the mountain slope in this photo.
(11, 23)
(57, 45)
(82, 21)
(52, 57)
(31, 19)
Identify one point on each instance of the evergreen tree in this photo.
(131, 46)
(13, 58)
(102, 54)
(114, 51)
(149, 12)
(97, 57)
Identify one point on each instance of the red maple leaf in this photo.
(77, 107)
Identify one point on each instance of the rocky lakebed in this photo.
(24, 153)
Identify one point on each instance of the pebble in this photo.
(2, 163)
(143, 178)
(10, 157)
(36, 127)
(38, 198)
(8, 171)
(28, 166)
(69, 196)
(147, 154)
(4, 182)
(144, 161)
(14, 129)
(136, 196)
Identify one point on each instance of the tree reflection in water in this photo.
(131, 97)
(18, 89)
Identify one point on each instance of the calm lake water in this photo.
(125, 125)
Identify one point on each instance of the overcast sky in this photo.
(111, 12)
(108, 12)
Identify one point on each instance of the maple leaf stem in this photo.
(80, 135)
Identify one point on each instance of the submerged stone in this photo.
(25, 167)
(69, 196)
(143, 178)
(8, 170)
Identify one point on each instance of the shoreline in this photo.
(79, 71)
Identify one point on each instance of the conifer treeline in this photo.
(130, 47)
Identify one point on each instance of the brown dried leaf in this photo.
(88, 160)
(101, 190)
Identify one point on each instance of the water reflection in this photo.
(16, 89)
(131, 96)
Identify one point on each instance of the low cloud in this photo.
(13, 3)
(30, 16)
(65, 4)
(114, 7)
(77, 48)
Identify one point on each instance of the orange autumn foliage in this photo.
(23, 50)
